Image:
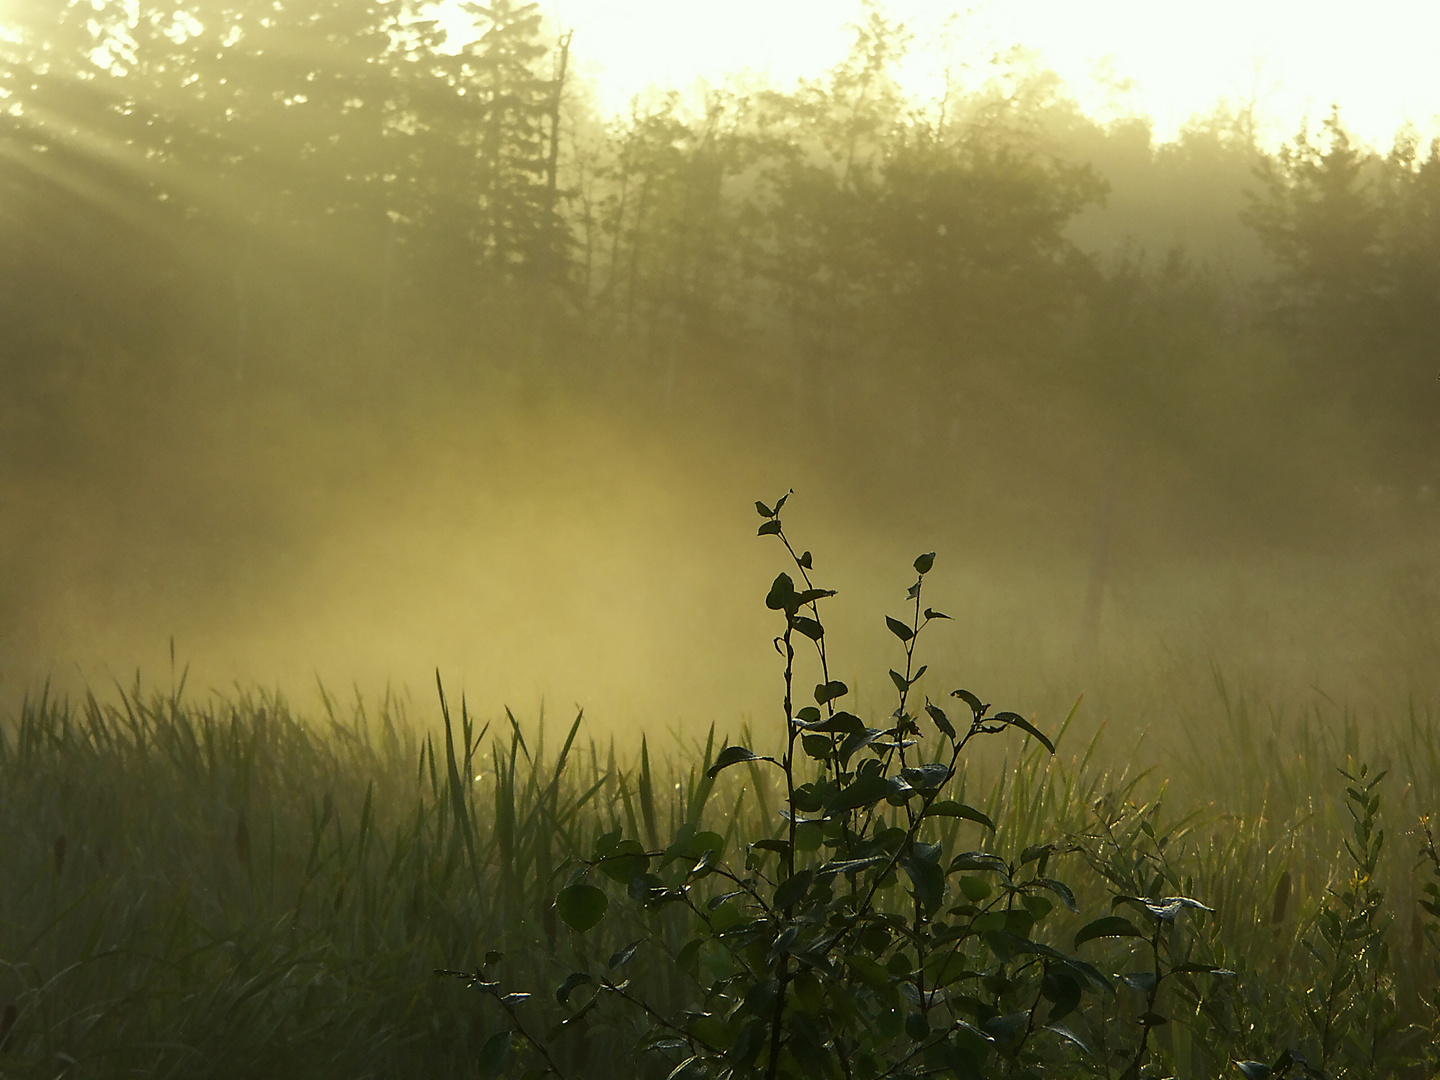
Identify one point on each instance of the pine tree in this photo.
(510, 109)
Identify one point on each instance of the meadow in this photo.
(212, 885)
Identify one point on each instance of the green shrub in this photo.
(855, 942)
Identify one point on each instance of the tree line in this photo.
(339, 193)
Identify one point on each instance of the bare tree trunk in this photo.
(1099, 565)
(552, 164)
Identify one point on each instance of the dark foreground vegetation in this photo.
(219, 888)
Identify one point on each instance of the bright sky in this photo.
(1378, 58)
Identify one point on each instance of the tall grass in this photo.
(217, 887)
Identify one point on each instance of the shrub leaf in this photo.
(1111, 926)
(494, 1054)
(581, 906)
(731, 755)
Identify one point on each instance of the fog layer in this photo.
(332, 354)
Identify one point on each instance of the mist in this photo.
(332, 376)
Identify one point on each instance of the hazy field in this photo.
(214, 886)
(205, 882)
